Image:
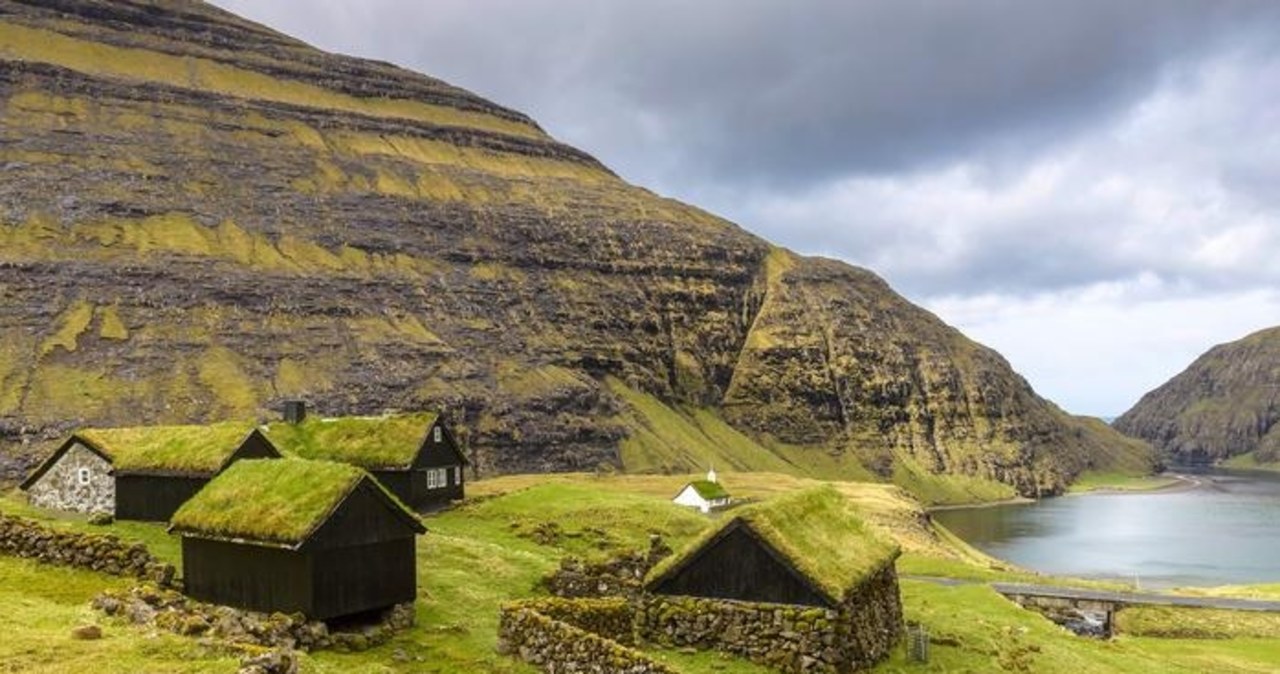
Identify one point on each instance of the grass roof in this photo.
(181, 449)
(273, 501)
(390, 441)
(817, 530)
(709, 490)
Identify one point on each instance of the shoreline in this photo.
(1181, 482)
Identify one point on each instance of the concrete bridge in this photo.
(1095, 609)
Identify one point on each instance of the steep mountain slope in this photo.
(1224, 404)
(200, 217)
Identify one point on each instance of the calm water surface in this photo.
(1225, 530)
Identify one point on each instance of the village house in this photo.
(143, 473)
(705, 495)
(798, 583)
(292, 535)
(415, 456)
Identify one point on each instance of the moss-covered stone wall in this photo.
(103, 553)
(581, 635)
(790, 638)
(871, 620)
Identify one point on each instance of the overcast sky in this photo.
(1092, 187)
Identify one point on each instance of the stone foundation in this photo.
(171, 611)
(783, 636)
(102, 553)
(786, 637)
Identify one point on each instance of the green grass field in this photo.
(514, 530)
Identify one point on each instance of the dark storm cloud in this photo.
(779, 94)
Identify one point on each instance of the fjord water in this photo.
(1223, 530)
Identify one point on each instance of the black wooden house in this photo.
(293, 535)
(809, 550)
(415, 456)
(152, 470)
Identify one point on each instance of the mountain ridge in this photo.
(202, 217)
(1221, 406)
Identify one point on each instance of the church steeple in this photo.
(711, 474)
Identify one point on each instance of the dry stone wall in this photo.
(783, 636)
(97, 552)
(871, 620)
(169, 610)
(80, 481)
(619, 576)
(526, 631)
(786, 637)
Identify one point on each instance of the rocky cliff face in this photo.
(200, 218)
(1223, 405)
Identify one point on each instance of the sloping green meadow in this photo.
(515, 530)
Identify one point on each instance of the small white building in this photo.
(705, 495)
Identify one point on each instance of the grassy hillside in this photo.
(488, 551)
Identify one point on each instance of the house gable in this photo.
(57, 455)
(738, 564)
(77, 477)
(254, 446)
(366, 516)
(439, 453)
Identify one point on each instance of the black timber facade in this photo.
(153, 496)
(361, 559)
(436, 476)
(738, 564)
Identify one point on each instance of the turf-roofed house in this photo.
(415, 456)
(705, 495)
(293, 535)
(143, 473)
(798, 583)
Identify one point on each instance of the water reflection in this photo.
(1224, 530)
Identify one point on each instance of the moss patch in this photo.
(268, 500)
(389, 441)
(194, 449)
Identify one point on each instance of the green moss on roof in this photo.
(709, 490)
(819, 533)
(182, 449)
(276, 501)
(389, 441)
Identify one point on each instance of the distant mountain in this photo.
(1225, 404)
(201, 217)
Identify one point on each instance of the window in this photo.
(437, 478)
(457, 474)
(82, 476)
(438, 434)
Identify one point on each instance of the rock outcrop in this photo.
(200, 218)
(1224, 404)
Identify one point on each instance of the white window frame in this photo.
(437, 433)
(457, 474)
(83, 477)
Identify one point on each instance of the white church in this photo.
(705, 495)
